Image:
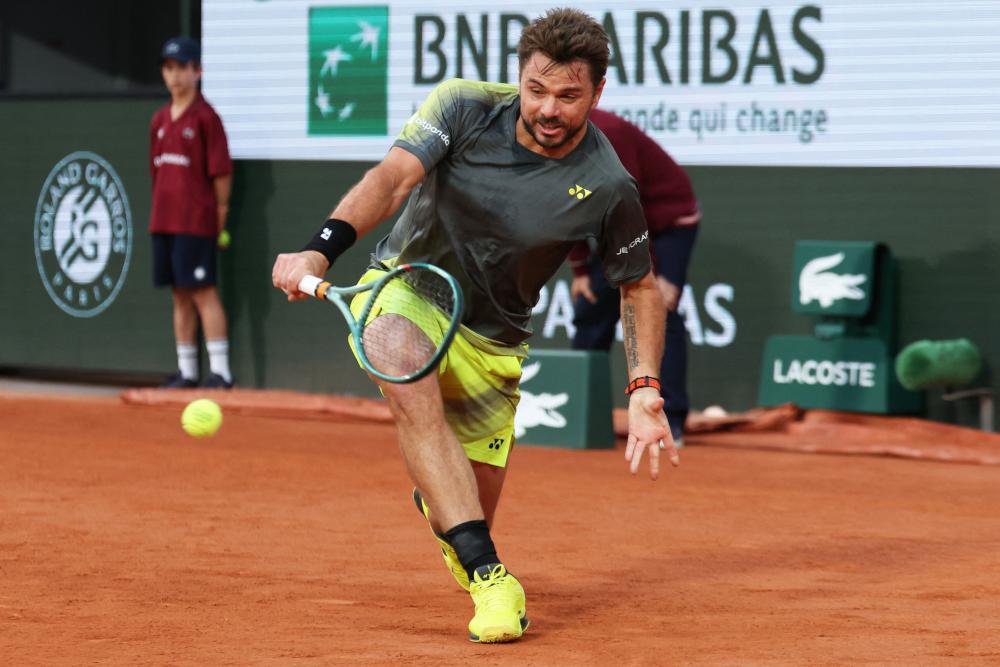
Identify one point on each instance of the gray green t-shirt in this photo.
(502, 219)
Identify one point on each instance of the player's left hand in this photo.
(648, 428)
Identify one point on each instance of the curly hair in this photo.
(565, 35)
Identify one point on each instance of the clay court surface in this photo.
(294, 542)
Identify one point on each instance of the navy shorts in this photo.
(182, 260)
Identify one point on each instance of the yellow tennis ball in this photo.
(224, 239)
(201, 418)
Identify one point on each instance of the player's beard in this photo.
(569, 133)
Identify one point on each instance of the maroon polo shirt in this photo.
(665, 190)
(185, 156)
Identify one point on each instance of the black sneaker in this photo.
(178, 381)
(216, 381)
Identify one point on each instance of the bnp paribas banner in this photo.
(717, 82)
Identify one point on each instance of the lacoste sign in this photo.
(839, 374)
(565, 400)
(535, 410)
(825, 373)
(833, 277)
(818, 282)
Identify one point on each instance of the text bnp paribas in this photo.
(714, 48)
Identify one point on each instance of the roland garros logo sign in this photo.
(83, 234)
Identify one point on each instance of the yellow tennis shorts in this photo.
(479, 379)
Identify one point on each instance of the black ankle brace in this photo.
(473, 545)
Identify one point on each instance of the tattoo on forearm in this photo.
(628, 333)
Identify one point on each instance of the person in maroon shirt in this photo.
(192, 176)
(672, 215)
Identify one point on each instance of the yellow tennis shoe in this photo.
(499, 599)
(450, 557)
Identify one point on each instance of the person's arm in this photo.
(381, 192)
(152, 151)
(223, 185)
(581, 279)
(218, 166)
(624, 251)
(577, 258)
(643, 319)
(378, 195)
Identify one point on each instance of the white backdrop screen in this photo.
(730, 82)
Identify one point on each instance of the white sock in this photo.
(218, 357)
(187, 361)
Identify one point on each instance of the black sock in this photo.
(473, 544)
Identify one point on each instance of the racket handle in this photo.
(311, 285)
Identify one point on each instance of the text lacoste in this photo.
(826, 373)
(639, 239)
(172, 158)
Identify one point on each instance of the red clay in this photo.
(280, 542)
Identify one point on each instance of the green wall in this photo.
(34, 136)
(942, 225)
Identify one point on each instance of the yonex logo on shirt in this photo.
(579, 192)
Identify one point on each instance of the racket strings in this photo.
(433, 288)
(407, 322)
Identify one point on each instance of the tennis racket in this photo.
(406, 324)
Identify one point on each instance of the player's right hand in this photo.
(581, 287)
(290, 268)
(648, 430)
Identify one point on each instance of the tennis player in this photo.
(500, 181)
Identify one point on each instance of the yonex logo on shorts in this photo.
(83, 234)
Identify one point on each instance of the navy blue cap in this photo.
(181, 49)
